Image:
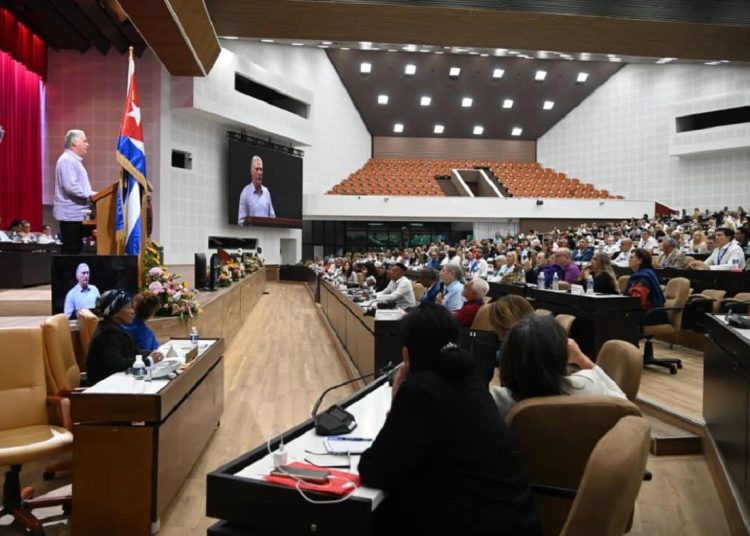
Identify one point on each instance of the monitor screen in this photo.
(78, 280)
(276, 191)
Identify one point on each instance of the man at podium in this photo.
(255, 199)
(72, 191)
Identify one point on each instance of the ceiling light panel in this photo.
(540, 76)
(365, 67)
(548, 105)
(439, 129)
(508, 104)
(425, 101)
(517, 131)
(478, 130)
(454, 72)
(582, 77)
(497, 74)
(466, 102)
(382, 99)
(410, 69)
(398, 128)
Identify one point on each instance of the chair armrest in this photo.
(67, 392)
(700, 297)
(554, 491)
(654, 309)
(61, 407)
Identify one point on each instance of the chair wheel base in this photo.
(673, 369)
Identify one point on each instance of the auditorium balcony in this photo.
(471, 178)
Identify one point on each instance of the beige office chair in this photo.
(715, 295)
(735, 303)
(675, 297)
(566, 321)
(623, 363)
(622, 282)
(611, 481)
(419, 290)
(482, 318)
(87, 324)
(542, 312)
(572, 426)
(25, 432)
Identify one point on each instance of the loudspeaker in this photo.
(539, 202)
(213, 272)
(201, 275)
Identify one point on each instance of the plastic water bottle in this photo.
(139, 368)
(590, 285)
(540, 281)
(555, 282)
(194, 335)
(736, 265)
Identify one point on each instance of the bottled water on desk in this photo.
(555, 282)
(590, 285)
(540, 281)
(194, 335)
(139, 368)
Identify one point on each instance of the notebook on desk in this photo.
(346, 445)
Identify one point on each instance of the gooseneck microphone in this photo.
(336, 420)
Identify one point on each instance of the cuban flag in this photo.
(131, 154)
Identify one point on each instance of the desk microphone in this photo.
(734, 319)
(336, 420)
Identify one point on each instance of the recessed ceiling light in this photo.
(665, 60)
(540, 75)
(425, 101)
(233, 37)
(382, 99)
(266, 40)
(365, 67)
(508, 103)
(345, 48)
(615, 59)
(398, 127)
(466, 102)
(582, 77)
(484, 55)
(516, 131)
(473, 53)
(365, 44)
(298, 44)
(453, 72)
(392, 50)
(497, 74)
(478, 130)
(548, 105)
(439, 129)
(322, 46)
(512, 52)
(500, 51)
(423, 50)
(713, 63)
(410, 69)
(439, 52)
(409, 48)
(326, 42)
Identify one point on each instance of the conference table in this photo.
(136, 441)
(371, 341)
(599, 317)
(25, 265)
(726, 397)
(246, 504)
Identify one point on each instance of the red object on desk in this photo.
(338, 481)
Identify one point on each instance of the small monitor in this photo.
(201, 274)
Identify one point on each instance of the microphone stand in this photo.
(336, 420)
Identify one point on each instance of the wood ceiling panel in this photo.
(78, 18)
(104, 23)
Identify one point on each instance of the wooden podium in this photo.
(107, 240)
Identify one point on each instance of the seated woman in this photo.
(348, 274)
(506, 311)
(145, 305)
(644, 285)
(535, 360)
(112, 349)
(605, 280)
(444, 456)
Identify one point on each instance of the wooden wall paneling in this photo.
(453, 148)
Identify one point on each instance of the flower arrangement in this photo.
(176, 297)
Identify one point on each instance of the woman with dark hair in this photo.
(644, 285)
(444, 456)
(534, 362)
(348, 273)
(112, 349)
(145, 305)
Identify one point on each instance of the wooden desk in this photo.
(726, 397)
(248, 505)
(371, 343)
(132, 452)
(25, 265)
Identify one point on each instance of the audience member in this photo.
(671, 256)
(727, 256)
(563, 259)
(699, 244)
(478, 266)
(584, 252)
(647, 242)
(474, 293)
(534, 362)
(452, 295)
(145, 305)
(112, 349)
(3, 236)
(429, 279)
(622, 258)
(444, 457)
(399, 290)
(644, 285)
(605, 280)
(506, 311)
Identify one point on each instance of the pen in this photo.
(343, 438)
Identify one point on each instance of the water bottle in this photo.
(194, 335)
(540, 281)
(139, 367)
(590, 285)
(736, 265)
(555, 282)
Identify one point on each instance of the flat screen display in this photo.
(78, 280)
(263, 182)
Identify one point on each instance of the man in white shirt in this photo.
(647, 242)
(478, 266)
(81, 296)
(726, 256)
(622, 259)
(255, 199)
(399, 290)
(452, 295)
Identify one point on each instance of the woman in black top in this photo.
(444, 456)
(112, 348)
(605, 280)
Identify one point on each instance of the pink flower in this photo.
(156, 287)
(155, 272)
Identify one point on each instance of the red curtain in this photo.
(21, 148)
(18, 41)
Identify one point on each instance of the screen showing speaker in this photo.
(78, 280)
(263, 182)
